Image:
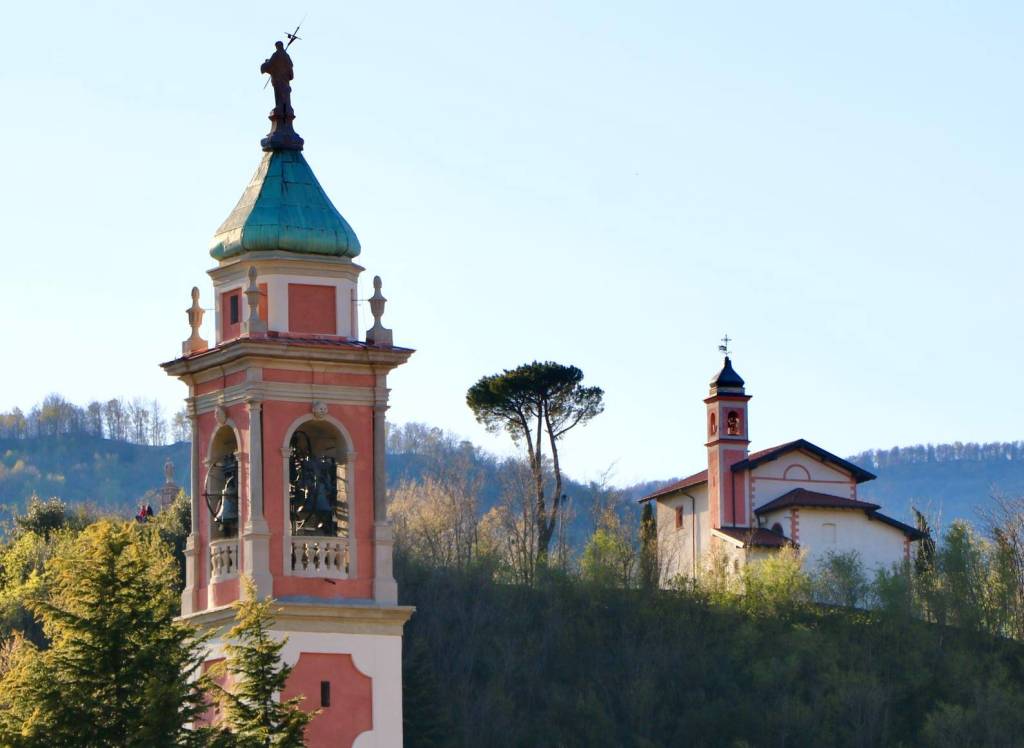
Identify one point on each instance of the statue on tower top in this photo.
(279, 67)
(282, 137)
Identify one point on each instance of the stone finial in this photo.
(195, 313)
(254, 325)
(378, 334)
(168, 471)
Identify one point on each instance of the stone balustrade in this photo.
(223, 559)
(323, 557)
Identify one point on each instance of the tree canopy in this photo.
(119, 670)
(537, 403)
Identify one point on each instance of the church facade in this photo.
(287, 407)
(745, 506)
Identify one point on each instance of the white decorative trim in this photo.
(296, 392)
(223, 562)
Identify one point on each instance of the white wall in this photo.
(879, 545)
(798, 469)
(676, 551)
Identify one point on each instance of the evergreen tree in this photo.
(537, 403)
(423, 712)
(648, 548)
(119, 670)
(253, 715)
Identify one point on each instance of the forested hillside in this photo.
(111, 474)
(949, 481)
(112, 453)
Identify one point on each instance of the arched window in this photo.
(796, 472)
(732, 423)
(318, 482)
(679, 517)
(712, 425)
(221, 489)
(777, 528)
(828, 530)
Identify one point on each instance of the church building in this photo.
(287, 407)
(746, 505)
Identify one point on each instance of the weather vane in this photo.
(724, 347)
(292, 37)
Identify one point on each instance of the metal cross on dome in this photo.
(724, 347)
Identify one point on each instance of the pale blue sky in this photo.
(608, 184)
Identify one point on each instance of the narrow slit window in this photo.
(234, 309)
(325, 693)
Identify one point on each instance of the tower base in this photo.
(347, 662)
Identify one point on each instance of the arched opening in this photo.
(777, 528)
(712, 425)
(732, 423)
(828, 530)
(221, 488)
(318, 481)
(319, 508)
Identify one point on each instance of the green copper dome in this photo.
(284, 208)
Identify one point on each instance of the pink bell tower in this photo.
(728, 442)
(288, 478)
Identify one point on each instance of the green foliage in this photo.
(516, 399)
(609, 557)
(649, 576)
(537, 403)
(173, 524)
(118, 667)
(44, 517)
(776, 584)
(840, 579)
(82, 468)
(569, 663)
(22, 562)
(252, 712)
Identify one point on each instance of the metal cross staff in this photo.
(724, 348)
(291, 38)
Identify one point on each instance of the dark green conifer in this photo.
(252, 713)
(119, 670)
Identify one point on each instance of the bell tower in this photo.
(287, 407)
(727, 444)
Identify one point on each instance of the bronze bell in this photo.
(228, 511)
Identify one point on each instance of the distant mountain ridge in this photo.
(950, 481)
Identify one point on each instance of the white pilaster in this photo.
(255, 533)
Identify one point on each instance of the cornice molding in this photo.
(318, 617)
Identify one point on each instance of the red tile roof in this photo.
(803, 497)
(693, 480)
(767, 455)
(756, 536)
(800, 497)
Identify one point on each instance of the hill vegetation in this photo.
(578, 647)
(111, 454)
(951, 481)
